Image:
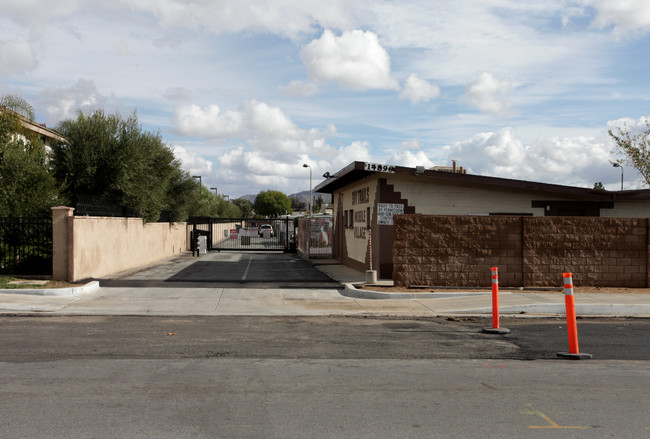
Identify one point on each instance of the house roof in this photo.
(356, 171)
(41, 129)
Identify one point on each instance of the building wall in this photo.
(628, 209)
(447, 199)
(528, 251)
(351, 246)
(351, 242)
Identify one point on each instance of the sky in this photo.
(247, 91)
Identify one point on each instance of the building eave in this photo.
(355, 171)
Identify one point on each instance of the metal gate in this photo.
(223, 234)
(26, 246)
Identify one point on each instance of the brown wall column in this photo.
(61, 242)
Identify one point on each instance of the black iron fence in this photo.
(92, 205)
(241, 234)
(26, 246)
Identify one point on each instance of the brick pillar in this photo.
(61, 242)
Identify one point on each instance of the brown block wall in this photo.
(528, 251)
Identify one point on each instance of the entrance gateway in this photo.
(242, 234)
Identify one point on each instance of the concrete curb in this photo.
(72, 291)
(351, 291)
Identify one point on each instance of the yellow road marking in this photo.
(530, 410)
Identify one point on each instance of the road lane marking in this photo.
(250, 259)
(530, 410)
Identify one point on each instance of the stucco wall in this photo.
(443, 199)
(628, 209)
(100, 246)
(356, 198)
(105, 245)
(529, 251)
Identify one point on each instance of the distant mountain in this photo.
(249, 197)
(302, 196)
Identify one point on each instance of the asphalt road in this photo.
(319, 377)
(30, 339)
(228, 269)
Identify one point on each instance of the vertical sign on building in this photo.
(360, 197)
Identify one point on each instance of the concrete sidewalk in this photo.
(208, 300)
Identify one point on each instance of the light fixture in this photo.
(311, 197)
(618, 165)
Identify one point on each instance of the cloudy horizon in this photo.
(246, 91)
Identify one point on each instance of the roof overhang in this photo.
(356, 171)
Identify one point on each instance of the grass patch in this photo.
(6, 283)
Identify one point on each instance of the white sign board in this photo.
(385, 212)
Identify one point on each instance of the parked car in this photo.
(264, 227)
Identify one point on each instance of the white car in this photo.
(265, 227)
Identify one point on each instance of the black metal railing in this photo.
(92, 205)
(241, 234)
(26, 245)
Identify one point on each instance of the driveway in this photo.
(227, 270)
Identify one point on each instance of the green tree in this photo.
(245, 207)
(599, 185)
(272, 204)
(634, 149)
(207, 204)
(110, 157)
(27, 188)
(318, 204)
(296, 204)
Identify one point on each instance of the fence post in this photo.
(572, 327)
(371, 275)
(61, 243)
(495, 329)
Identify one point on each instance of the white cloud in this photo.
(300, 88)
(576, 161)
(178, 94)
(39, 12)
(266, 127)
(355, 59)
(624, 16)
(356, 151)
(634, 126)
(209, 122)
(410, 159)
(16, 56)
(418, 90)
(281, 17)
(253, 168)
(489, 94)
(411, 144)
(63, 103)
(266, 121)
(192, 161)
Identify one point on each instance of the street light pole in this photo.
(215, 190)
(311, 196)
(618, 165)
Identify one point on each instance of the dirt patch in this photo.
(577, 290)
(7, 282)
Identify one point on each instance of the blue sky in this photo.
(247, 91)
